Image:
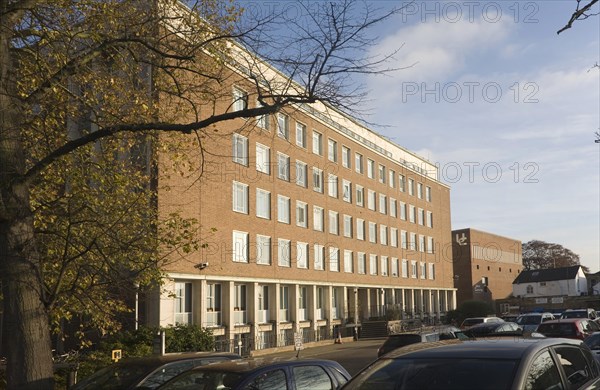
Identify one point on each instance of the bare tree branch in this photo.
(579, 14)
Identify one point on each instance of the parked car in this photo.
(263, 374)
(148, 372)
(573, 328)
(510, 317)
(581, 313)
(493, 329)
(399, 340)
(468, 322)
(483, 364)
(593, 343)
(530, 321)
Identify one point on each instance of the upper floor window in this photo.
(428, 193)
(401, 183)
(332, 150)
(240, 149)
(347, 191)
(419, 190)
(332, 181)
(283, 129)
(382, 174)
(358, 163)
(300, 135)
(345, 157)
(263, 159)
(318, 180)
(411, 187)
(240, 247)
(262, 121)
(301, 174)
(317, 143)
(283, 167)
(392, 178)
(370, 169)
(240, 100)
(240, 197)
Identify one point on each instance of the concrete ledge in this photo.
(291, 348)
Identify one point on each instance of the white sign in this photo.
(557, 300)
(461, 240)
(541, 300)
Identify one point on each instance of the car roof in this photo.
(157, 360)
(484, 348)
(255, 364)
(565, 320)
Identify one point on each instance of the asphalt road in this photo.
(353, 356)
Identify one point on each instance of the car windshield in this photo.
(198, 379)
(574, 314)
(529, 320)
(114, 377)
(424, 374)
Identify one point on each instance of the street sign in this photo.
(298, 341)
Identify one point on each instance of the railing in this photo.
(213, 318)
(302, 315)
(183, 318)
(283, 315)
(239, 317)
(263, 316)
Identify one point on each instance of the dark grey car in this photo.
(483, 364)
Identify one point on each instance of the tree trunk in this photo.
(26, 327)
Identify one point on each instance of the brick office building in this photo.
(309, 221)
(485, 264)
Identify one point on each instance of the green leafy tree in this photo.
(90, 92)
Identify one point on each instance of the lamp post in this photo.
(137, 287)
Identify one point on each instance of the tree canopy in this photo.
(83, 86)
(543, 255)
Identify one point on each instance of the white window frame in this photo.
(333, 222)
(373, 232)
(423, 269)
(428, 193)
(263, 203)
(358, 163)
(317, 143)
(283, 209)
(370, 168)
(240, 149)
(412, 213)
(240, 247)
(392, 178)
(263, 158)
(361, 263)
(394, 237)
(318, 218)
(372, 264)
(422, 247)
(413, 269)
(319, 257)
(420, 190)
(360, 229)
(430, 245)
(404, 268)
(346, 157)
(383, 234)
(431, 271)
(318, 180)
(283, 126)
(403, 211)
(301, 135)
(403, 239)
(262, 121)
(283, 166)
(347, 226)
(346, 191)
(240, 197)
(334, 259)
(332, 154)
(360, 196)
(348, 262)
(402, 183)
(384, 267)
(393, 208)
(395, 267)
(429, 219)
(302, 255)
(421, 216)
(332, 185)
(411, 187)
(284, 252)
(382, 174)
(301, 214)
(263, 249)
(240, 99)
(382, 203)
(371, 200)
(301, 174)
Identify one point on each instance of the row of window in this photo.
(381, 234)
(263, 160)
(336, 258)
(241, 203)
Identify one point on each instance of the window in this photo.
(332, 150)
(403, 211)
(421, 216)
(284, 305)
(318, 218)
(183, 302)
(421, 243)
(371, 199)
(347, 226)
(578, 369)
(429, 219)
(401, 183)
(383, 234)
(428, 194)
(419, 190)
(413, 241)
(333, 222)
(430, 245)
(382, 204)
(360, 229)
(370, 169)
(392, 178)
(393, 208)
(394, 237)
(358, 163)
(263, 159)
(372, 264)
(423, 270)
(283, 209)
(263, 120)
(283, 126)
(263, 203)
(372, 232)
(332, 185)
(283, 167)
(239, 298)
(404, 268)
(301, 174)
(300, 135)
(395, 267)
(347, 191)
(431, 272)
(240, 149)
(382, 174)
(317, 143)
(345, 156)
(263, 249)
(334, 259)
(384, 265)
(412, 213)
(543, 374)
(360, 193)
(240, 100)
(302, 254)
(310, 378)
(529, 289)
(240, 197)
(317, 180)
(403, 239)
(413, 269)
(319, 256)
(240, 247)
(411, 187)
(301, 214)
(213, 297)
(348, 263)
(362, 263)
(284, 254)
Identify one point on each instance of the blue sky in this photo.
(507, 108)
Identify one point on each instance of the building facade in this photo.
(552, 282)
(310, 222)
(485, 264)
